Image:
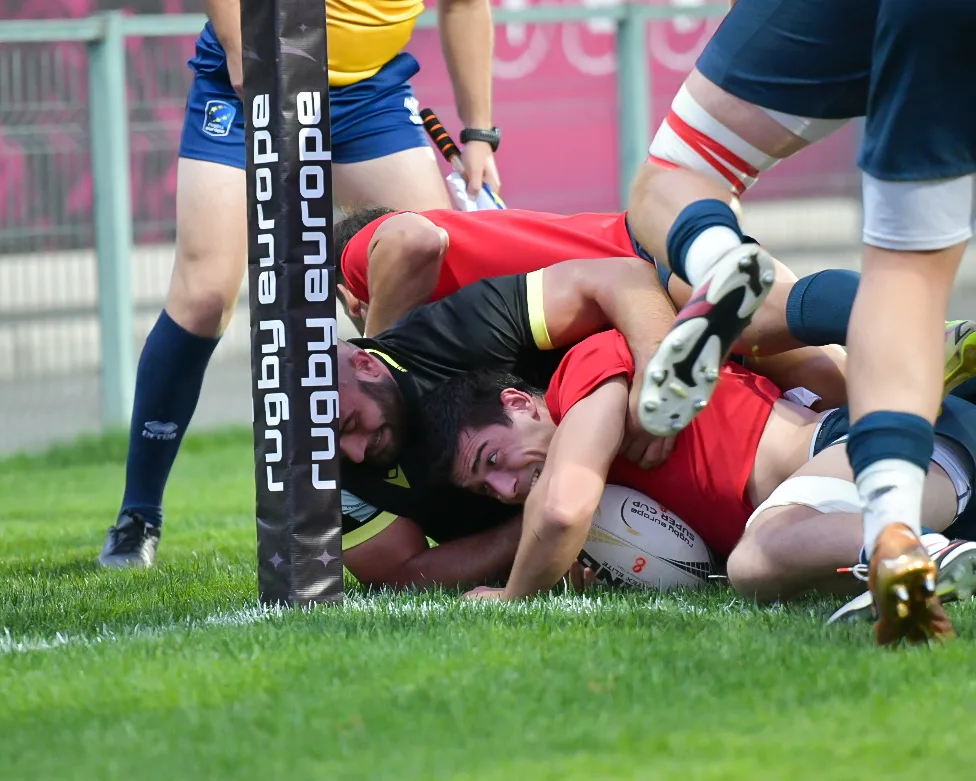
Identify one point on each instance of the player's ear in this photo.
(365, 364)
(515, 400)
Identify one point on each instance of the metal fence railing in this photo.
(90, 117)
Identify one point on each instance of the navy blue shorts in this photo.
(905, 65)
(373, 118)
(957, 422)
(663, 272)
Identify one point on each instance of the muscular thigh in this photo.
(405, 181)
(939, 503)
(775, 135)
(729, 136)
(809, 58)
(776, 76)
(380, 152)
(211, 245)
(211, 207)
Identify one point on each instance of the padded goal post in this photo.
(291, 274)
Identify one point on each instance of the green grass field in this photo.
(175, 673)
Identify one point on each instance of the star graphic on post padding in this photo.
(276, 560)
(325, 558)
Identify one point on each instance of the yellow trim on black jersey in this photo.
(368, 530)
(537, 309)
(386, 358)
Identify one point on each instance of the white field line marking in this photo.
(379, 605)
(244, 617)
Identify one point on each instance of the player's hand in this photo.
(485, 592)
(581, 578)
(479, 167)
(645, 450)
(235, 69)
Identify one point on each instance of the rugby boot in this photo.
(681, 376)
(960, 354)
(132, 542)
(902, 578)
(955, 561)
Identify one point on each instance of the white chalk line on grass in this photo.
(244, 617)
(559, 605)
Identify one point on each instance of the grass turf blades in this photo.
(176, 672)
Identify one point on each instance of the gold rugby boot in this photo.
(902, 578)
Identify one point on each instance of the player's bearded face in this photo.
(372, 422)
(502, 461)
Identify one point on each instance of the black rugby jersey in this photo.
(494, 323)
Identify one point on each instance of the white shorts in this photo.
(917, 216)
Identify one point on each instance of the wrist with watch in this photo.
(491, 137)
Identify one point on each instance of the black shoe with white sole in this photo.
(132, 542)
(956, 581)
(681, 377)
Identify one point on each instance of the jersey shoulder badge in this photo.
(397, 476)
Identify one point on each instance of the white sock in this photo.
(901, 503)
(706, 249)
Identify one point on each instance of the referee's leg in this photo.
(380, 152)
(211, 257)
(381, 157)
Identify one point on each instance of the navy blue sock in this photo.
(693, 220)
(168, 384)
(882, 435)
(819, 307)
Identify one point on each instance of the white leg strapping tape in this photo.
(692, 138)
(823, 494)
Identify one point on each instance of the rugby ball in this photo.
(636, 542)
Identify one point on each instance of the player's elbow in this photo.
(566, 512)
(419, 248)
(423, 243)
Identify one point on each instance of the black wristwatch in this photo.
(491, 137)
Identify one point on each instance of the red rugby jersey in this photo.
(705, 479)
(497, 242)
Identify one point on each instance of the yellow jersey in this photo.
(364, 35)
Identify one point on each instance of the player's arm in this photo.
(559, 509)
(400, 556)
(467, 39)
(582, 297)
(818, 369)
(403, 265)
(505, 323)
(225, 15)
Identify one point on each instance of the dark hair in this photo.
(468, 401)
(349, 226)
